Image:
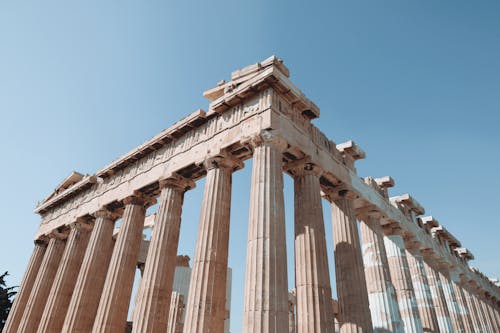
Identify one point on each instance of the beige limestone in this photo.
(23, 294)
(401, 278)
(439, 300)
(64, 282)
(43, 283)
(156, 286)
(111, 314)
(451, 300)
(90, 281)
(423, 295)
(205, 309)
(382, 296)
(354, 311)
(266, 284)
(312, 277)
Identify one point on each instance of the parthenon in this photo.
(400, 271)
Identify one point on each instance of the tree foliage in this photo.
(6, 295)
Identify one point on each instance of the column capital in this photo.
(106, 214)
(339, 193)
(177, 181)
(222, 161)
(139, 199)
(82, 223)
(59, 233)
(303, 167)
(42, 241)
(268, 138)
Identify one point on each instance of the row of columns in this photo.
(83, 281)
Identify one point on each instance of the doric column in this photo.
(156, 287)
(113, 307)
(64, 281)
(292, 304)
(17, 310)
(462, 307)
(439, 300)
(423, 295)
(382, 296)
(476, 321)
(354, 311)
(312, 277)
(205, 310)
(175, 314)
(477, 302)
(401, 278)
(43, 283)
(487, 314)
(451, 300)
(266, 280)
(90, 281)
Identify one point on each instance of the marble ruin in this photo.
(402, 272)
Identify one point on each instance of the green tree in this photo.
(6, 295)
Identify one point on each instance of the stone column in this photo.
(439, 300)
(463, 308)
(476, 321)
(401, 278)
(113, 307)
(292, 303)
(354, 310)
(17, 309)
(175, 324)
(451, 300)
(487, 315)
(481, 315)
(423, 295)
(381, 294)
(156, 286)
(312, 277)
(205, 309)
(266, 280)
(90, 281)
(43, 283)
(64, 282)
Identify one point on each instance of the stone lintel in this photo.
(385, 182)
(429, 222)
(409, 202)
(445, 234)
(464, 253)
(350, 148)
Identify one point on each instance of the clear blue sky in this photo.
(416, 84)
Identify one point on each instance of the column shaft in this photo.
(64, 282)
(205, 310)
(23, 294)
(423, 295)
(266, 286)
(487, 315)
(83, 305)
(156, 287)
(401, 278)
(382, 296)
(482, 317)
(354, 311)
(175, 313)
(41, 288)
(312, 277)
(451, 301)
(463, 308)
(476, 321)
(113, 307)
(439, 300)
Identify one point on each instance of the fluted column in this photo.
(487, 315)
(17, 309)
(451, 300)
(43, 283)
(439, 300)
(156, 284)
(381, 294)
(476, 321)
(205, 310)
(64, 281)
(484, 323)
(423, 295)
(292, 304)
(83, 305)
(401, 278)
(312, 277)
(463, 308)
(354, 311)
(113, 307)
(266, 280)
(175, 313)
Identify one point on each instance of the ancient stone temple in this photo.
(397, 271)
